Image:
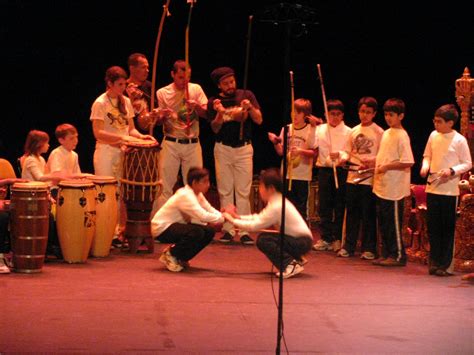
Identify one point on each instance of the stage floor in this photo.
(225, 303)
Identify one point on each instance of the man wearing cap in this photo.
(231, 114)
(180, 145)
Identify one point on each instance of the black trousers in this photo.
(189, 239)
(332, 203)
(299, 195)
(4, 233)
(293, 248)
(360, 211)
(441, 222)
(390, 218)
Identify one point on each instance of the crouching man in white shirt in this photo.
(183, 220)
(297, 240)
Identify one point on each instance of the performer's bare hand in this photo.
(334, 155)
(232, 210)
(217, 105)
(424, 171)
(273, 138)
(147, 137)
(246, 105)
(313, 120)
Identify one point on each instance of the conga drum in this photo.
(75, 219)
(29, 210)
(106, 209)
(140, 187)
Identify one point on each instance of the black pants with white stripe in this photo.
(390, 217)
(441, 222)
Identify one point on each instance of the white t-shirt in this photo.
(63, 160)
(183, 207)
(33, 168)
(393, 185)
(447, 150)
(270, 216)
(303, 138)
(330, 142)
(363, 143)
(106, 109)
(172, 98)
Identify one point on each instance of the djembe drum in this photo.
(29, 210)
(75, 219)
(106, 207)
(140, 187)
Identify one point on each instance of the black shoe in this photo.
(116, 244)
(441, 272)
(226, 238)
(246, 240)
(54, 251)
(432, 270)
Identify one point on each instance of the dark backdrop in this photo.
(55, 54)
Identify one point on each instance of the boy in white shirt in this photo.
(446, 157)
(297, 240)
(392, 183)
(64, 158)
(302, 151)
(361, 148)
(183, 220)
(331, 139)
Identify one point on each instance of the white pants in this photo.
(174, 155)
(234, 171)
(108, 161)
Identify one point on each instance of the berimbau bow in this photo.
(155, 60)
(290, 162)
(187, 67)
(334, 171)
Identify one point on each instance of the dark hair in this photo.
(64, 129)
(394, 105)
(196, 174)
(34, 140)
(133, 59)
(179, 65)
(368, 101)
(335, 105)
(271, 178)
(113, 74)
(303, 105)
(448, 113)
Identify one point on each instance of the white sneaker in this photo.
(343, 253)
(4, 269)
(367, 255)
(170, 262)
(322, 245)
(336, 245)
(291, 270)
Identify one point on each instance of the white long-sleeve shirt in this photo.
(183, 206)
(330, 141)
(444, 151)
(63, 160)
(34, 167)
(270, 216)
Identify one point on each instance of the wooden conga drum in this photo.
(106, 212)
(75, 219)
(464, 237)
(140, 187)
(29, 210)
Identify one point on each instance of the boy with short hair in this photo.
(301, 154)
(445, 158)
(361, 150)
(392, 183)
(297, 240)
(183, 220)
(64, 159)
(331, 139)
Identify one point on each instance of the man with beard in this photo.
(231, 114)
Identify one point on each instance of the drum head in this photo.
(102, 179)
(32, 185)
(78, 184)
(141, 143)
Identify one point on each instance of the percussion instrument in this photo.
(140, 187)
(75, 219)
(29, 209)
(464, 240)
(106, 207)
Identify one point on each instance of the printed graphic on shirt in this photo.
(362, 144)
(183, 114)
(117, 119)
